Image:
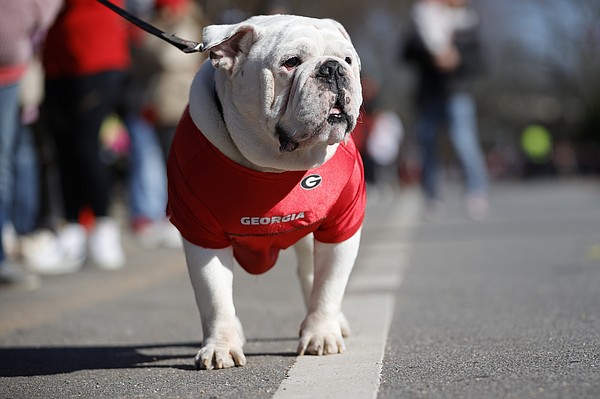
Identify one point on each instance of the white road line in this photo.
(369, 307)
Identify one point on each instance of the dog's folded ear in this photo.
(228, 44)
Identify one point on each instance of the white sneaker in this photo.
(72, 239)
(477, 207)
(14, 277)
(171, 236)
(156, 234)
(44, 254)
(148, 235)
(10, 241)
(105, 245)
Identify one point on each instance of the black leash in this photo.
(187, 46)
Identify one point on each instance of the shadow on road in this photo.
(36, 361)
(40, 361)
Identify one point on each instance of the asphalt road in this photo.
(500, 308)
(504, 308)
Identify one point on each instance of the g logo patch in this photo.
(311, 181)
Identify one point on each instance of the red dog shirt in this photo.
(215, 202)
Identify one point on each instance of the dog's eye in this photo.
(348, 60)
(291, 62)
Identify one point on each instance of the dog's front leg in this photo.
(321, 332)
(211, 274)
(306, 267)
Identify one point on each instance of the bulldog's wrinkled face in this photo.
(294, 85)
(319, 87)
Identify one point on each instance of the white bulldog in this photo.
(262, 160)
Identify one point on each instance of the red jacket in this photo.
(216, 203)
(86, 38)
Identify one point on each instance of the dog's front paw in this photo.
(345, 326)
(320, 335)
(219, 355)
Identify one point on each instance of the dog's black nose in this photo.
(330, 70)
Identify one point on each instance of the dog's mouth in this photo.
(336, 116)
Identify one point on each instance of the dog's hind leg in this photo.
(306, 274)
(306, 261)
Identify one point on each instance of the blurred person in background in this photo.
(378, 137)
(174, 72)
(22, 28)
(147, 178)
(383, 147)
(85, 58)
(25, 236)
(361, 132)
(158, 88)
(445, 49)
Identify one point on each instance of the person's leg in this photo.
(463, 134)
(148, 187)
(98, 94)
(61, 108)
(26, 199)
(9, 106)
(429, 121)
(60, 113)
(85, 174)
(10, 275)
(147, 174)
(105, 239)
